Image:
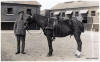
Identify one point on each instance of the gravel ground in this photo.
(37, 47)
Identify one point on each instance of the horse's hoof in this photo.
(49, 55)
(78, 56)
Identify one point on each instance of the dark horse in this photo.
(59, 28)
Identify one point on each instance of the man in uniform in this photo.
(20, 31)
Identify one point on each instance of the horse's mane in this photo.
(38, 15)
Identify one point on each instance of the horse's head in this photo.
(38, 20)
(28, 21)
(31, 19)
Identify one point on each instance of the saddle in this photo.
(51, 24)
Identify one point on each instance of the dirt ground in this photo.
(37, 47)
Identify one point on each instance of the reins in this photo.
(34, 35)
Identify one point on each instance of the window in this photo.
(51, 14)
(84, 20)
(92, 13)
(63, 14)
(9, 10)
(28, 11)
(84, 16)
(77, 13)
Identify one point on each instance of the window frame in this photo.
(10, 11)
(51, 14)
(76, 13)
(63, 14)
(29, 10)
(93, 13)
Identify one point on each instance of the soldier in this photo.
(20, 31)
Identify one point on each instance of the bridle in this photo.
(30, 32)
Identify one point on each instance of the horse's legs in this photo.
(49, 38)
(79, 43)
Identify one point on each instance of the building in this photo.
(85, 11)
(9, 10)
(45, 12)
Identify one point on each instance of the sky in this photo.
(47, 4)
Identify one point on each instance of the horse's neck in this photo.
(41, 21)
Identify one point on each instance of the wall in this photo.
(10, 19)
(16, 9)
(88, 25)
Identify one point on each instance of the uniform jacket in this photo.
(19, 27)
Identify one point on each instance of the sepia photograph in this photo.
(50, 30)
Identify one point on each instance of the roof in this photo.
(75, 4)
(23, 2)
